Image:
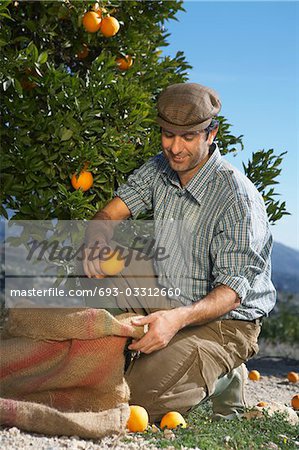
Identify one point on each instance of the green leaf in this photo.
(7, 16)
(32, 52)
(17, 86)
(43, 58)
(66, 134)
(4, 4)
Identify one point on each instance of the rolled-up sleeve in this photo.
(137, 192)
(241, 247)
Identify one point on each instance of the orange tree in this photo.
(74, 100)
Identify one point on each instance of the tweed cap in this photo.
(187, 107)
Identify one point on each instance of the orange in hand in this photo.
(254, 375)
(92, 21)
(138, 420)
(293, 377)
(84, 181)
(112, 264)
(171, 420)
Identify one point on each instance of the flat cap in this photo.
(187, 107)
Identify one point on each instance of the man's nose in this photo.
(176, 145)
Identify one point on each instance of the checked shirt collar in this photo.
(198, 183)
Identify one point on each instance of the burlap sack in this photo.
(38, 418)
(66, 364)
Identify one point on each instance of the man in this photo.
(219, 251)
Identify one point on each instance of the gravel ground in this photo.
(273, 386)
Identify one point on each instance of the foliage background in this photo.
(60, 112)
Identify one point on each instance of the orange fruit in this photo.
(171, 420)
(254, 375)
(124, 63)
(295, 401)
(262, 404)
(138, 420)
(112, 263)
(26, 82)
(293, 377)
(110, 26)
(84, 181)
(83, 52)
(91, 21)
(27, 85)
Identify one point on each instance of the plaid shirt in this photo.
(215, 230)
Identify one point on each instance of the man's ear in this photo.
(212, 135)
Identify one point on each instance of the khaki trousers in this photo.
(184, 373)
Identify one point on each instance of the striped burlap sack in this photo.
(62, 371)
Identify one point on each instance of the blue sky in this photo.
(248, 52)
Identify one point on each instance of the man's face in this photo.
(186, 153)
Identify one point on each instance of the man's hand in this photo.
(162, 326)
(99, 233)
(91, 259)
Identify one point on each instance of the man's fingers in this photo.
(92, 266)
(95, 263)
(143, 320)
(140, 343)
(86, 269)
(145, 343)
(147, 348)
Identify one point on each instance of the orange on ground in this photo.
(295, 401)
(254, 375)
(262, 404)
(293, 377)
(112, 264)
(110, 26)
(83, 52)
(83, 182)
(138, 420)
(91, 21)
(171, 420)
(124, 63)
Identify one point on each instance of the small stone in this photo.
(284, 437)
(272, 446)
(168, 434)
(14, 431)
